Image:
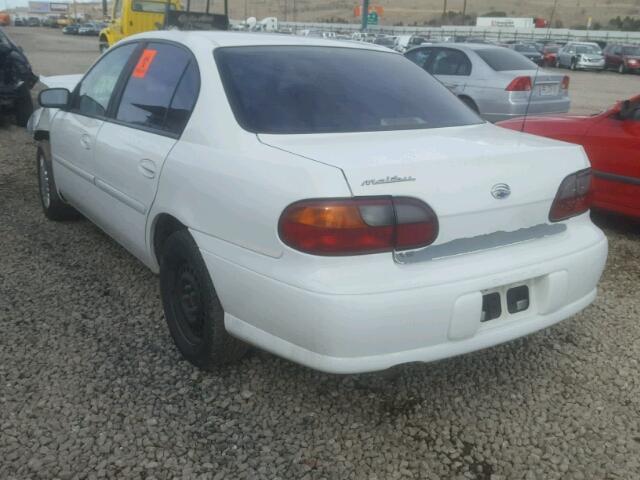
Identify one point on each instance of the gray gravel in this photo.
(91, 385)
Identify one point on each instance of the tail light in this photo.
(573, 197)
(356, 226)
(565, 83)
(519, 84)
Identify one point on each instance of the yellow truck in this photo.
(135, 16)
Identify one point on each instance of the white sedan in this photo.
(329, 202)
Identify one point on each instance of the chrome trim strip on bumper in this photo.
(488, 241)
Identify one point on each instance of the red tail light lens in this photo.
(519, 84)
(565, 83)
(573, 197)
(356, 226)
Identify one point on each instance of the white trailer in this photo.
(505, 22)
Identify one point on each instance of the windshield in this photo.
(634, 51)
(301, 89)
(503, 59)
(588, 49)
(526, 48)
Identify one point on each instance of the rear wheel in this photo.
(558, 64)
(574, 66)
(192, 309)
(103, 46)
(470, 103)
(622, 68)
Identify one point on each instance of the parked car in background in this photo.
(16, 81)
(550, 55)
(497, 82)
(623, 58)
(71, 29)
(529, 50)
(50, 21)
(385, 40)
(19, 21)
(369, 226)
(405, 42)
(580, 56)
(89, 29)
(33, 22)
(612, 142)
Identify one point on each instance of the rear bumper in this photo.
(590, 66)
(343, 332)
(517, 106)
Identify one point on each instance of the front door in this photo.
(74, 132)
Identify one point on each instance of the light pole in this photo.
(365, 14)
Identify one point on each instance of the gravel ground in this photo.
(91, 385)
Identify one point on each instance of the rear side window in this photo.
(450, 62)
(150, 91)
(419, 56)
(313, 89)
(504, 59)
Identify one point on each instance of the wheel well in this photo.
(165, 225)
(41, 135)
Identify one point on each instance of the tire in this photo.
(103, 46)
(622, 69)
(23, 108)
(573, 65)
(192, 309)
(53, 207)
(558, 64)
(470, 103)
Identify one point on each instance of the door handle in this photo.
(147, 168)
(85, 141)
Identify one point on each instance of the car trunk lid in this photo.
(463, 173)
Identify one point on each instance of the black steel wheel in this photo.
(192, 309)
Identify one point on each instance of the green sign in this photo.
(372, 18)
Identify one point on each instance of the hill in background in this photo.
(412, 12)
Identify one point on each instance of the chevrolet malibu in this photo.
(329, 202)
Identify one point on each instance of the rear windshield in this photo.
(631, 51)
(504, 59)
(551, 49)
(300, 89)
(526, 48)
(588, 49)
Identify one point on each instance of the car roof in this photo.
(463, 45)
(217, 39)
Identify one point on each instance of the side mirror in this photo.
(54, 98)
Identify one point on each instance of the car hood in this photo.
(590, 56)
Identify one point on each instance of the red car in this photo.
(612, 142)
(623, 58)
(550, 55)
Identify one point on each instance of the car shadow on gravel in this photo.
(617, 223)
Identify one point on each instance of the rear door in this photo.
(452, 67)
(155, 103)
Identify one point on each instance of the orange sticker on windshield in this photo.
(144, 63)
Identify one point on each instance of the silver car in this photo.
(581, 56)
(497, 82)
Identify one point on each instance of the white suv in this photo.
(329, 202)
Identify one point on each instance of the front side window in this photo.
(151, 86)
(95, 90)
(150, 6)
(504, 59)
(312, 89)
(450, 62)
